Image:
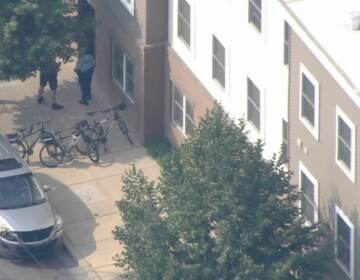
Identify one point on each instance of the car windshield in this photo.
(20, 191)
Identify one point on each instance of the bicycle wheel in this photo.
(87, 136)
(51, 155)
(19, 148)
(124, 129)
(93, 151)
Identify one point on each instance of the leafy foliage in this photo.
(220, 211)
(159, 149)
(34, 33)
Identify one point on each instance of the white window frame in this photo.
(126, 59)
(341, 213)
(349, 173)
(303, 169)
(185, 115)
(129, 5)
(314, 130)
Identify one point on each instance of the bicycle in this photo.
(55, 149)
(103, 127)
(19, 140)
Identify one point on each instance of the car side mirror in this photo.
(48, 188)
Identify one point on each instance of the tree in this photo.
(35, 32)
(220, 211)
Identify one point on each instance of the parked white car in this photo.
(28, 222)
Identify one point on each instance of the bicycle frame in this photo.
(109, 124)
(68, 147)
(30, 146)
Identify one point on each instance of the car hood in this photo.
(29, 218)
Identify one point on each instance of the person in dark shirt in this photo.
(48, 75)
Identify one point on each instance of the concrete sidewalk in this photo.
(85, 192)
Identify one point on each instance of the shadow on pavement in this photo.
(72, 209)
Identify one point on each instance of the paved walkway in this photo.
(85, 193)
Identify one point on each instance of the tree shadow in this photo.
(17, 111)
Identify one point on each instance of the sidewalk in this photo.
(85, 193)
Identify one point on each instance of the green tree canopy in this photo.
(220, 211)
(34, 33)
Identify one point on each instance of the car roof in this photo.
(11, 164)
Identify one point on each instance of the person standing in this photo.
(85, 69)
(48, 75)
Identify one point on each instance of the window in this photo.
(285, 141)
(286, 42)
(309, 101)
(184, 21)
(182, 111)
(345, 144)
(189, 123)
(253, 104)
(218, 62)
(344, 242)
(123, 71)
(255, 13)
(129, 5)
(309, 194)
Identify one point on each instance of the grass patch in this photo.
(159, 150)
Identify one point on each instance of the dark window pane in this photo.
(218, 51)
(257, 3)
(130, 85)
(178, 115)
(253, 104)
(218, 73)
(218, 62)
(344, 132)
(189, 126)
(344, 153)
(343, 242)
(189, 109)
(178, 112)
(254, 93)
(118, 64)
(308, 111)
(308, 89)
(286, 43)
(184, 21)
(307, 187)
(285, 131)
(255, 13)
(178, 97)
(307, 208)
(286, 32)
(343, 231)
(253, 115)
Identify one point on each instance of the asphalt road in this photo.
(55, 265)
